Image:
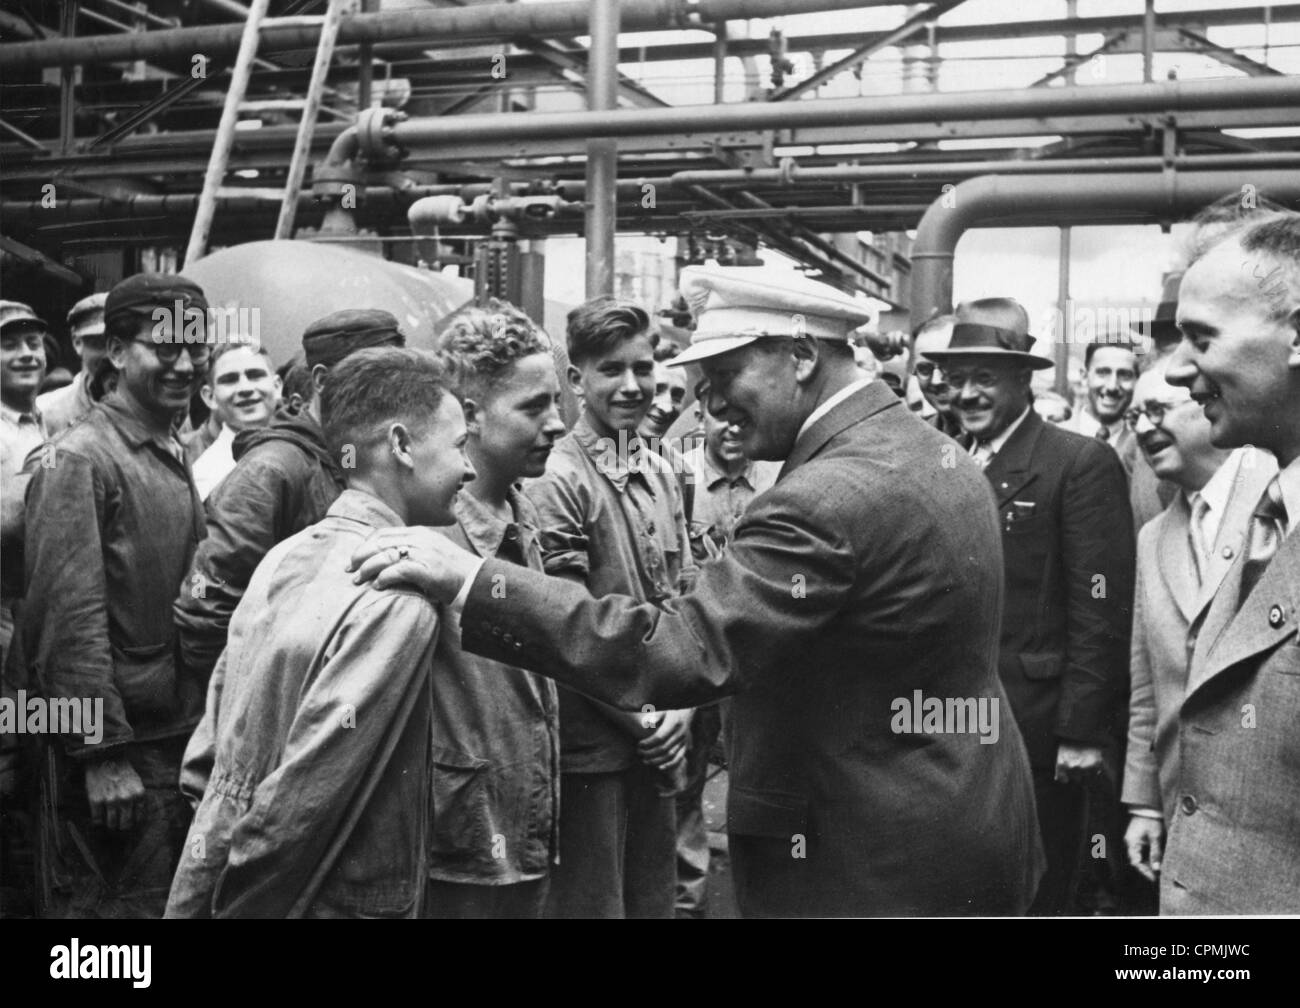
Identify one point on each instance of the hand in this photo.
(1145, 840)
(417, 557)
(665, 747)
(1077, 762)
(116, 794)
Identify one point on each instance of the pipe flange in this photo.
(374, 134)
(788, 168)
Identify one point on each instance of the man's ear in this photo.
(473, 416)
(1292, 323)
(318, 373)
(575, 380)
(806, 354)
(399, 443)
(209, 399)
(117, 350)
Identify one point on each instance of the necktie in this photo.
(1103, 433)
(1265, 535)
(1196, 532)
(982, 454)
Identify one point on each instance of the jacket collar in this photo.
(1009, 470)
(1174, 557)
(135, 431)
(865, 402)
(364, 508)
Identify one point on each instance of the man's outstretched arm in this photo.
(784, 578)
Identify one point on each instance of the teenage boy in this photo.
(496, 756)
(612, 519)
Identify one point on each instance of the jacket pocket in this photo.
(1042, 666)
(461, 818)
(766, 814)
(146, 679)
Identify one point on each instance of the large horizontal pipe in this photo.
(1135, 99)
(999, 200)
(440, 24)
(795, 176)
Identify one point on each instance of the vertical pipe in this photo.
(67, 82)
(719, 61)
(1071, 45)
(1061, 352)
(602, 155)
(225, 133)
(1149, 41)
(302, 146)
(365, 67)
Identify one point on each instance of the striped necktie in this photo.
(1265, 535)
(1196, 532)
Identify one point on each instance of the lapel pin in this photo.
(1227, 552)
(1276, 616)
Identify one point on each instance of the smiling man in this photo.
(1183, 555)
(63, 407)
(242, 390)
(870, 570)
(1234, 842)
(112, 522)
(1067, 547)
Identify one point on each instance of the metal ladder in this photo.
(234, 104)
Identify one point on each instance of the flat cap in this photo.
(144, 292)
(328, 340)
(86, 317)
(13, 312)
(735, 306)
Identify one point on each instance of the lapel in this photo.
(861, 404)
(1174, 558)
(1009, 470)
(1266, 619)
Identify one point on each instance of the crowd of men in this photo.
(379, 634)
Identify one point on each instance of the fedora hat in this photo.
(991, 327)
(1163, 328)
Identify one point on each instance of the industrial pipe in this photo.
(602, 154)
(792, 175)
(1165, 97)
(996, 200)
(437, 26)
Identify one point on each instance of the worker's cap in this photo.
(14, 312)
(328, 340)
(144, 293)
(734, 307)
(87, 316)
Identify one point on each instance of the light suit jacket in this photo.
(1234, 842)
(1168, 602)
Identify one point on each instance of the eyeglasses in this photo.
(986, 380)
(1153, 411)
(925, 370)
(170, 353)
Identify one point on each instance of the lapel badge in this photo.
(1276, 616)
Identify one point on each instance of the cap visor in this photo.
(711, 347)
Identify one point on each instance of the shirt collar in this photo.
(364, 508)
(614, 464)
(831, 403)
(1288, 481)
(995, 445)
(484, 528)
(1218, 488)
(32, 416)
(712, 475)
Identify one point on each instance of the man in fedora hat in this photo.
(1067, 544)
(860, 590)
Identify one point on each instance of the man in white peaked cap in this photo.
(875, 765)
